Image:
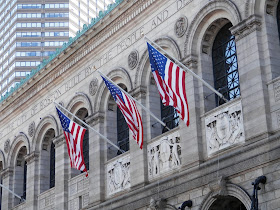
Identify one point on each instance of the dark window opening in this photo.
(122, 132)
(169, 116)
(52, 165)
(225, 68)
(24, 180)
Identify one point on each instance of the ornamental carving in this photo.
(164, 154)
(7, 145)
(133, 59)
(118, 175)
(224, 128)
(31, 129)
(181, 26)
(93, 86)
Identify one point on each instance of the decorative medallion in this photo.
(181, 26)
(133, 59)
(93, 86)
(31, 129)
(7, 145)
(61, 103)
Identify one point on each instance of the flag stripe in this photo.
(170, 80)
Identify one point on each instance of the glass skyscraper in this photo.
(31, 32)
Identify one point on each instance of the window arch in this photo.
(52, 165)
(20, 175)
(82, 114)
(225, 67)
(47, 161)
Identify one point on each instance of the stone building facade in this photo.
(212, 162)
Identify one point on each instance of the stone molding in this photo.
(246, 27)
(81, 97)
(164, 155)
(190, 61)
(59, 140)
(30, 158)
(7, 172)
(139, 92)
(118, 175)
(224, 127)
(96, 118)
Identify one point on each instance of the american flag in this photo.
(129, 110)
(74, 135)
(170, 80)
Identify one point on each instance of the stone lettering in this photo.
(160, 18)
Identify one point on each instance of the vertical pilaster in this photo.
(7, 181)
(96, 159)
(138, 157)
(252, 76)
(61, 173)
(32, 181)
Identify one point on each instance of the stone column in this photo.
(61, 173)
(191, 136)
(32, 181)
(252, 75)
(7, 181)
(96, 159)
(138, 157)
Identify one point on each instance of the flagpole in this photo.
(102, 136)
(147, 110)
(11, 192)
(186, 69)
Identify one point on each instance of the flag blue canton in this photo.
(65, 121)
(113, 89)
(157, 60)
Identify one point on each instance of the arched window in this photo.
(225, 68)
(227, 202)
(122, 131)
(169, 116)
(83, 114)
(47, 161)
(52, 165)
(20, 175)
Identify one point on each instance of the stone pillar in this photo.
(96, 159)
(7, 181)
(252, 76)
(191, 136)
(138, 157)
(61, 173)
(32, 161)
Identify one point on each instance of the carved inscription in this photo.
(224, 128)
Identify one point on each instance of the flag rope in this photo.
(101, 135)
(186, 69)
(146, 109)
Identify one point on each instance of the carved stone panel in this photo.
(133, 59)
(31, 129)
(93, 85)
(7, 146)
(180, 26)
(164, 155)
(118, 175)
(224, 128)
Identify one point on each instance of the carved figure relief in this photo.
(7, 145)
(164, 154)
(133, 59)
(181, 26)
(224, 128)
(93, 85)
(31, 129)
(118, 176)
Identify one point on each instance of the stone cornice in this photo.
(59, 140)
(96, 118)
(246, 27)
(6, 172)
(33, 156)
(139, 91)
